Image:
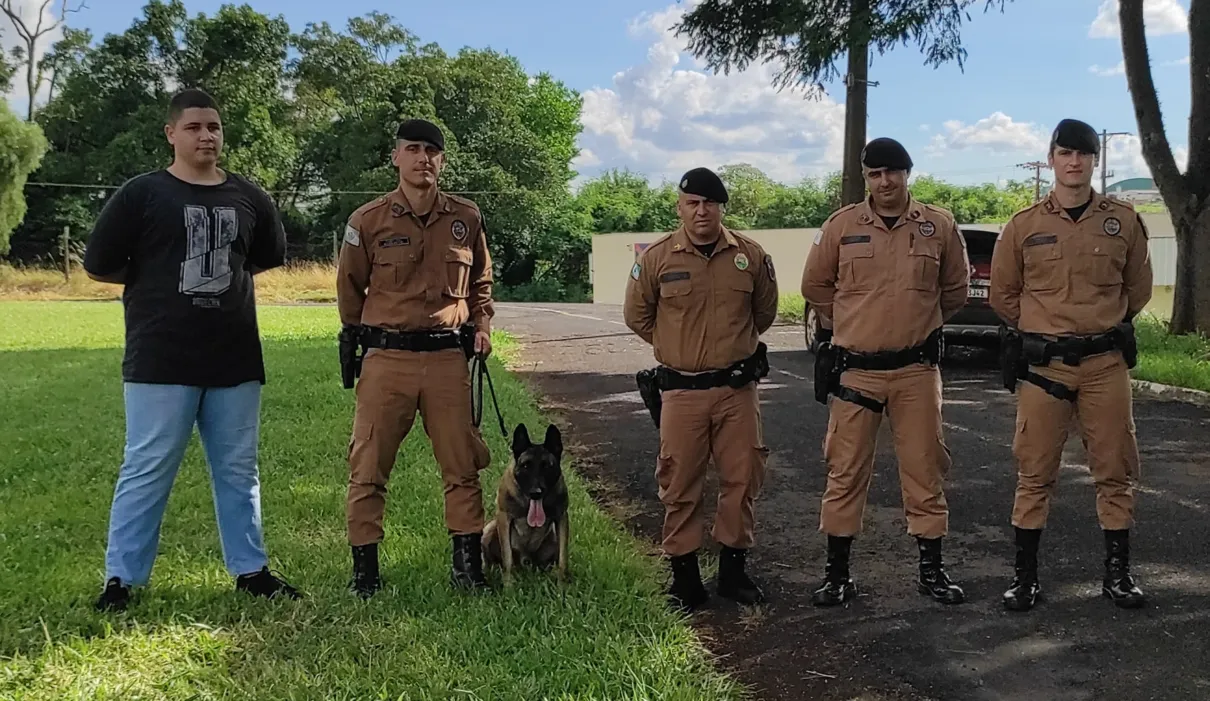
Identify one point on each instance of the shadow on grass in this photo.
(605, 635)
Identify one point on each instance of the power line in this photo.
(1105, 175)
(82, 186)
(1037, 167)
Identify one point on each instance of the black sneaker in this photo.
(265, 584)
(115, 596)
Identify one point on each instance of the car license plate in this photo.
(977, 293)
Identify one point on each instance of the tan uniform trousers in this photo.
(394, 384)
(913, 397)
(1104, 411)
(696, 425)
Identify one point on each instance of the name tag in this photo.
(1041, 239)
(858, 238)
(395, 241)
(674, 276)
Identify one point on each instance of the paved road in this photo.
(891, 643)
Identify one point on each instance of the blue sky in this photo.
(650, 107)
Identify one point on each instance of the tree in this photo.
(31, 35)
(807, 38)
(1187, 195)
(22, 145)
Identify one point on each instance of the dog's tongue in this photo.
(537, 516)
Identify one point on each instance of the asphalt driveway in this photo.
(892, 643)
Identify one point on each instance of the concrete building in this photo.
(613, 255)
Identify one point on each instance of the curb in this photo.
(1168, 392)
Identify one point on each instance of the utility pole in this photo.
(1106, 174)
(852, 185)
(1037, 167)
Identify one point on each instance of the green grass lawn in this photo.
(1182, 361)
(189, 636)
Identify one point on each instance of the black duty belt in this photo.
(442, 339)
(928, 353)
(1039, 350)
(750, 369)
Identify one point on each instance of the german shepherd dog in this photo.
(531, 523)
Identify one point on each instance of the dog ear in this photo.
(521, 441)
(554, 440)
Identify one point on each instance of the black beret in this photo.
(421, 130)
(703, 182)
(1077, 136)
(886, 153)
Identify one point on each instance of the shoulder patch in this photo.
(769, 267)
(818, 236)
(635, 270)
(352, 236)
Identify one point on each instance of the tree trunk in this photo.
(852, 187)
(31, 75)
(1191, 296)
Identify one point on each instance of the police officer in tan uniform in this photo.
(414, 282)
(702, 296)
(884, 275)
(1068, 276)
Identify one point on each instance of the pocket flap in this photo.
(459, 255)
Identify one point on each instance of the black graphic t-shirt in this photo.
(189, 253)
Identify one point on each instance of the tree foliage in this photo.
(22, 147)
(310, 114)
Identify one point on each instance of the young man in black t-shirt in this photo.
(185, 242)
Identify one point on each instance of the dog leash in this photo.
(477, 374)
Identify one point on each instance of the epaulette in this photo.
(373, 204)
(937, 210)
(842, 210)
(661, 240)
(1112, 202)
(465, 202)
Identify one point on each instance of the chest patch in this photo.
(1112, 226)
(458, 230)
(395, 241)
(927, 229)
(741, 261)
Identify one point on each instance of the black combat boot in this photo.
(687, 592)
(837, 587)
(733, 581)
(365, 570)
(1025, 590)
(1118, 584)
(933, 579)
(468, 563)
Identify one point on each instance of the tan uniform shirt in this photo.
(399, 273)
(701, 313)
(886, 289)
(1055, 276)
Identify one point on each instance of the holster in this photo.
(1011, 358)
(349, 341)
(825, 375)
(649, 389)
(1127, 343)
(466, 339)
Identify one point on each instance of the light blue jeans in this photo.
(159, 424)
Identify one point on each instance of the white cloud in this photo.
(1125, 154)
(1119, 69)
(28, 11)
(668, 114)
(998, 134)
(1159, 17)
(1008, 141)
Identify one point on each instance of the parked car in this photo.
(976, 323)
